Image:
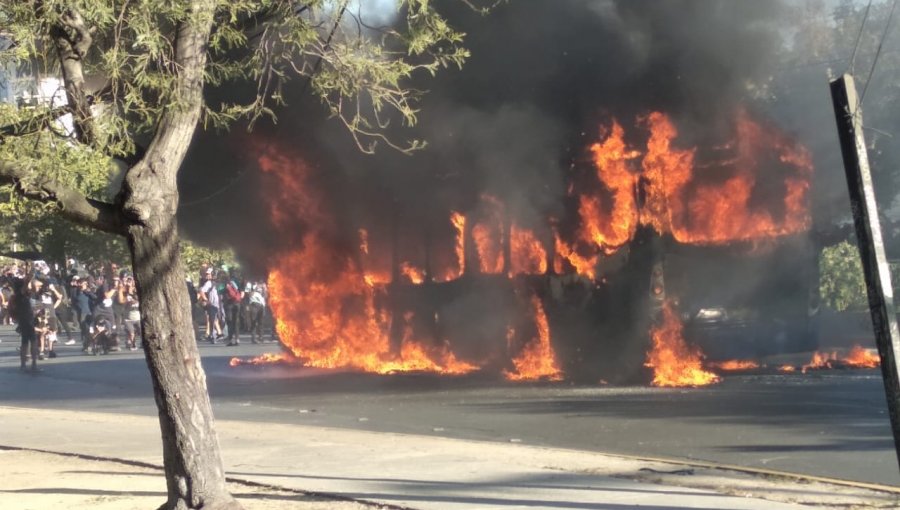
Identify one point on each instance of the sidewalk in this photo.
(34, 480)
(420, 472)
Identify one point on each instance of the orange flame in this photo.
(722, 206)
(488, 236)
(862, 358)
(263, 359)
(527, 253)
(723, 212)
(735, 365)
(857, 357)
(667, 170)
(414, 274)
(536, 360)
(307, 301)
(820, 360)
(584, 266)
(674, 363)
(459, 224)
(329, 311)
(709, 211)
(414, 356)
(376, 278)
(311, 323)
(487, 243)
(611, 226)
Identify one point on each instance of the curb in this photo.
(891, 489)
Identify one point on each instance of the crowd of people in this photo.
(99, 303)
(227, 305)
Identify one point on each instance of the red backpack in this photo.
(233, 294)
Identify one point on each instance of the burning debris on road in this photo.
(674, 363)
(857, 357)
(264, 359)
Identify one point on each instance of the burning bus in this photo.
(606, 289)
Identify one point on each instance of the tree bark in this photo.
(195, 475)
(73, 39)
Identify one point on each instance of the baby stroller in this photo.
(103, 338)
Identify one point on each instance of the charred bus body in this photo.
(745, 300)
(737, 301)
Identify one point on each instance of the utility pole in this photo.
(871, 244)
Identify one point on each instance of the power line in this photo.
(887, 26)
(216, 193)
(859, 37)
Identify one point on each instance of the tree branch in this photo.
(150, 187)
(73, 205)
(72, 39)
(33, 124)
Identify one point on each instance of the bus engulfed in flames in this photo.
(336, 301)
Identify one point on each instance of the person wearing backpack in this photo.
(232, 301)
(257, 310)
(208, 298)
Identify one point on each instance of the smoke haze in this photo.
(516, 121)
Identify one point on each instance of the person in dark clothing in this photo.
(62, 311)
(57, 295)
(5, 295)
(128, 300)
(118, 309)
(22, 311)
(103, 316)
(81, 305)
(47, 298)
(257, 310)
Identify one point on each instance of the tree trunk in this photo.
(195, 476)
(194, 473)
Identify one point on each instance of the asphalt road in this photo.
(831, 423)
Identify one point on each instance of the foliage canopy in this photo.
(127, 71)
(357, 70)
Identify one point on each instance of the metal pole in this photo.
(871, 244)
